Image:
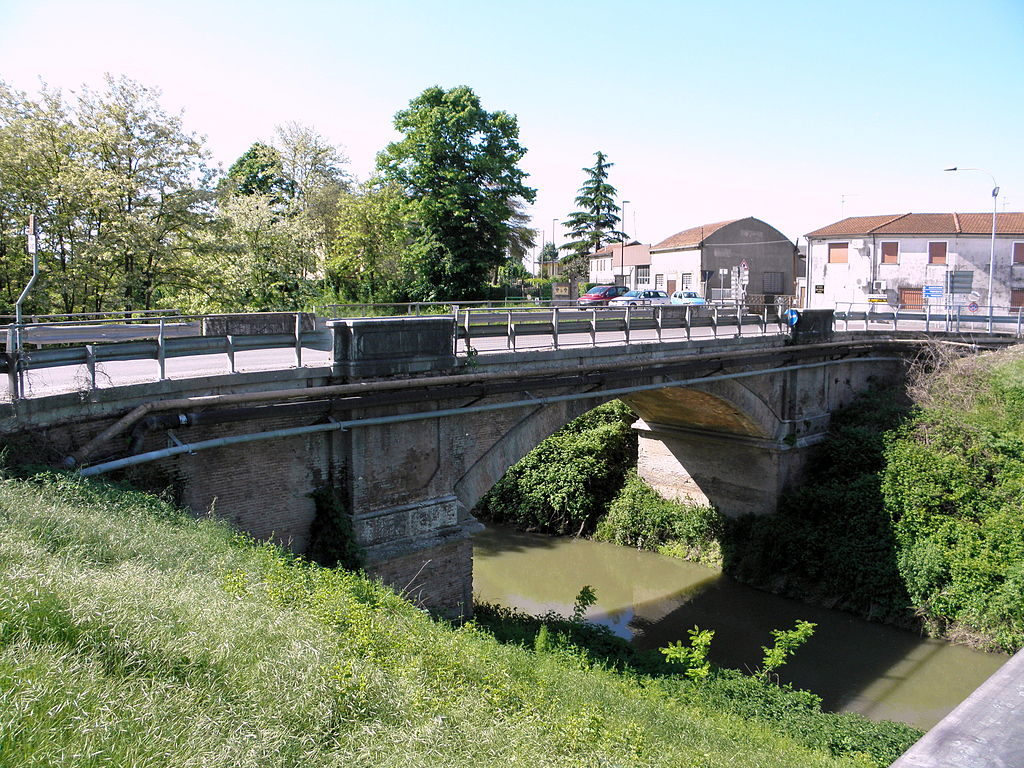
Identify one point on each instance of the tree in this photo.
(593, 225)
(457, 166)
(260, 172)
(374, 247)
(120, 190)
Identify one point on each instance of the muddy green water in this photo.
(854, 665)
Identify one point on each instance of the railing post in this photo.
(510, 341)
(13, 374)
(658, 319)
(1018, 321)
(298, 339)
(627, 321)
(686, 319)
(593, 326)
(161, 352)
(927, 318)
(90, 364)
(231, 351)
(554, 326)
(714, 319)
(739, 320)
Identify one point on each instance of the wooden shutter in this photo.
(890, 253)
(1018, 253)
(838, 253)
(1017, 298)
(936, 253)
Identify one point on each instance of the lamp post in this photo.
(992, 249)
(622, 251)
(554, 222)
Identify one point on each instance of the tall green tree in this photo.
(593, 224)
(457, 166)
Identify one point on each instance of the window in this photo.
(890, 253)
(686, 279)
(643, 274)
(1017, 298)
(771, 282)
(838, 253)
(659, 281)
(1018, 253)
(936, 253)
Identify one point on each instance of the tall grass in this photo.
(132, 635)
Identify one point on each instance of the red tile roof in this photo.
(691, 237)
(924, 224)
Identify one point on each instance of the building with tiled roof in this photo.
(708, 257)
(938, 260)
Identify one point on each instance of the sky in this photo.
(797, 113)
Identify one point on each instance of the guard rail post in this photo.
(627, 320)
(230, 348)
(658, 319)
(1018, 321)
(90, 364)
(714, 319)
(739, 320)
(686, 320)
(161, 352)
(593, 327)
(554, 326)
(510, 342)
(298, 339)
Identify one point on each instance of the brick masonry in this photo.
(439, 578)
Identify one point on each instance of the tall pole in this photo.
(992, 247)
(553, 223)
(622, 250)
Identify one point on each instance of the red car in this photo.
(600, 295)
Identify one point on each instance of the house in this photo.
(618, 263)
(914, 259)
(740, 258)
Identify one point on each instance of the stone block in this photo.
(389, 346)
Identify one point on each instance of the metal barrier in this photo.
(952, 319)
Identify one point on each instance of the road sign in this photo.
(877, 298)
(973, 306)
(961, 281)
(792, 317)
(933, 291)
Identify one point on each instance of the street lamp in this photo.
(992, 249)
(622, 252)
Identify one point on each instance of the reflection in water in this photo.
(854, 665)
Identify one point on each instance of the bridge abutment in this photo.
(735, 474)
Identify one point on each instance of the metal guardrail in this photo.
(560, 321)
(934, 318)
(16, 362)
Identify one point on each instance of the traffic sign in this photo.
(933, 291)
(792, 317)
(973, 306)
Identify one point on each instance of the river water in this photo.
(854, 665)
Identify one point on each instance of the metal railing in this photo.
(970, 317)
(560, 322)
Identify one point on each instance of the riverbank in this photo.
(133, 634)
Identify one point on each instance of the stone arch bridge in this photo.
(408, 437)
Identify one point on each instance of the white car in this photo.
(641, 298)
(687, 297)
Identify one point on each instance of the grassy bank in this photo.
(132, 635)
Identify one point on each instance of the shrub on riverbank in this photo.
(640, 517)
(132, 634)
(564, 485)
(954, 487)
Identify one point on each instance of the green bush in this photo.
(639, 517)
(564, 484)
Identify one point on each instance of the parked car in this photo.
(687, 297)
(633, 298)
(600, 295)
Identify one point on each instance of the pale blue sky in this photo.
(709, 110)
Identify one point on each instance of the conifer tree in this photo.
(593, 224)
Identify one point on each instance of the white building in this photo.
(618, 264)
(913, 259)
